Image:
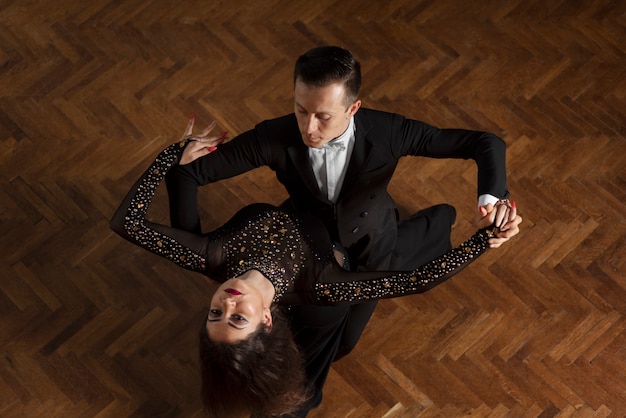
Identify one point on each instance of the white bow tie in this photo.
(335, 146)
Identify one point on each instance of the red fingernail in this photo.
(211, 149)
(223, 135)
(514, 205)
(191, 116)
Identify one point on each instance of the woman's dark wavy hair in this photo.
(328, 64)
(263, 374)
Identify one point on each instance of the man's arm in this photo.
(238, 156)
(487, 149)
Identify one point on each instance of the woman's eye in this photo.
(214, 313)
(239, 320)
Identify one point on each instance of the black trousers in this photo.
(327, 333)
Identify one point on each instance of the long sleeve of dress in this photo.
(186, 249)
(345, 287)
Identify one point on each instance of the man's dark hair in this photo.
(328, 64)
(263, 374)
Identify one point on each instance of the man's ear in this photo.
(354, 107)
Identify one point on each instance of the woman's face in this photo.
(236, 311)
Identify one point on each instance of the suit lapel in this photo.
(299, 155)
(360, 153)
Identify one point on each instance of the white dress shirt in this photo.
(330, 162)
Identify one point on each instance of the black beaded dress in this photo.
(293, 251)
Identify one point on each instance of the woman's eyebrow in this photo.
(230, 323)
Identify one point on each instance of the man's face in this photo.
(322, 112)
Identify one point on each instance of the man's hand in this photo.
(504, 216)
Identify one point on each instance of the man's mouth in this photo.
(232, 291)
(313, 142)
(308, 137)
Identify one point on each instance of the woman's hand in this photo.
(504, 216)
(201, 144)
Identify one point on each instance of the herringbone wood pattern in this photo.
(91, 91)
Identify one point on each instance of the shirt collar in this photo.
(344, 138)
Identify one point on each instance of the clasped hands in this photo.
(201, 144)
(505, 218)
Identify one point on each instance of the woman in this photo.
(266, 257)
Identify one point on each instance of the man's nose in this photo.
(311, 125)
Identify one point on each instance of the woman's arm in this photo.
(351, 287)
(186, 249)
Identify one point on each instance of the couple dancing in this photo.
(299, 282)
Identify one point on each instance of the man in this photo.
(336, 159)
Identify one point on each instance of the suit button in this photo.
(364, 214)
(355, 230)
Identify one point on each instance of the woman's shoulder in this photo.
(258, 214)
(261, 209)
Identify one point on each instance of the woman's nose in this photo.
(229, 300)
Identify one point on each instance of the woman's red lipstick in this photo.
(232, 291)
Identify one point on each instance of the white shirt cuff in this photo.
(485, 199)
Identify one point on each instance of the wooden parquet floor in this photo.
(91, 326)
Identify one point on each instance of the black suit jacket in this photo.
(364, 219)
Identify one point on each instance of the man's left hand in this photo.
(504, 216)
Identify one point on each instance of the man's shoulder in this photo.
(285, 120)
(277, 130)
(372, 120)
(365, 113)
